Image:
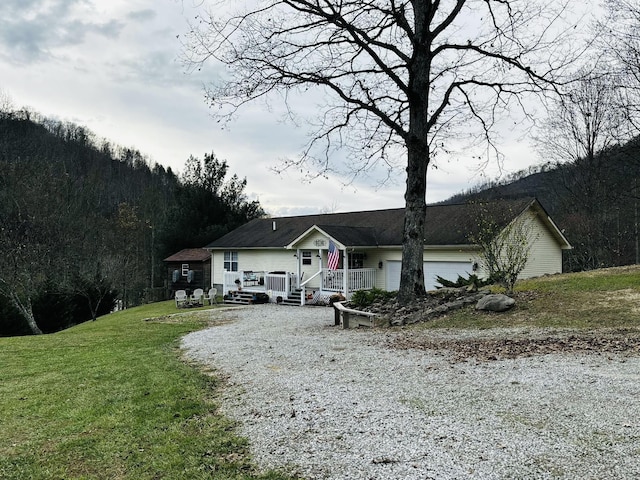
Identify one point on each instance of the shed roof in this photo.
(446, 225)
(190, 255)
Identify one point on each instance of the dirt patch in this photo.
(629, 296)
(201, 315)
(624, 341)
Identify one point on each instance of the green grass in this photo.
(607, 298)
(112, 399)
(603, 280)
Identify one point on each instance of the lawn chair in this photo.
(198, 293)
(181, 298)
(211, 296)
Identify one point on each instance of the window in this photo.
(356, 260)
(231, 261)
(306, 257)
(185, 269)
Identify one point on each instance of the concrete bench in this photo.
(344, 315)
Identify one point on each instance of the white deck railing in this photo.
(282, 283)
(359, 279)
(278, 284)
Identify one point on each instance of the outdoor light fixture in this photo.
(380, 265)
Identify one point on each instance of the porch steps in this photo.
(239, 298)
(293, 300)
(246, 298)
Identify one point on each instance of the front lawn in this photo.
(112, 399)
(606, 298)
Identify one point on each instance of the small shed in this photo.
(188, 269)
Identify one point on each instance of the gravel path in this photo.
(325, 403)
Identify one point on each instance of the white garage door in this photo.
(432, 270)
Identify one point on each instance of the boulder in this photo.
(495, 303)
(336, 297)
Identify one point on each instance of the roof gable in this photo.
(343, 235)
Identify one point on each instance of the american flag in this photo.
(333, 257)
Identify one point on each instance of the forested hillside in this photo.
(85, 223)
(594, 201)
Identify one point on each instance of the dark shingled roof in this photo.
(190, 255)
(445, 225)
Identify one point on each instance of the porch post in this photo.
(212, 272)
(345, 273)
(298, 269)
(320, 270)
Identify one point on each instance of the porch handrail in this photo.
(319, 272)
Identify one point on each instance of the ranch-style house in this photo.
(305, 259)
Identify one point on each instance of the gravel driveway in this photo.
(324, 403)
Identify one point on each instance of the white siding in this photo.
(257, 260)
(545, 256)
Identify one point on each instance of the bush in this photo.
(364, 298)
(472, 280)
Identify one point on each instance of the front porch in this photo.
(288, 287)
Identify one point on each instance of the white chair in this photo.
(210, 296)
(198, 293)
(181, 298)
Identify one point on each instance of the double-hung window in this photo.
(306, 257)
(231, 261)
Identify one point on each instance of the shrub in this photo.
(464, 282)
(364, 298)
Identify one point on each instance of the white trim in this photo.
(311, 229)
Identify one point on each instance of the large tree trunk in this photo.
(412, 273)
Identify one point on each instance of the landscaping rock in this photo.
(434, 304)
(495, 303)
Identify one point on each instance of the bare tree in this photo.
(504, 249)
(24, 263)
(398, 78)
(18, 284)
(585, 120)
(6, 104)
(620, 42)
(579, 137)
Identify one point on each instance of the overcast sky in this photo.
(113, 66)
